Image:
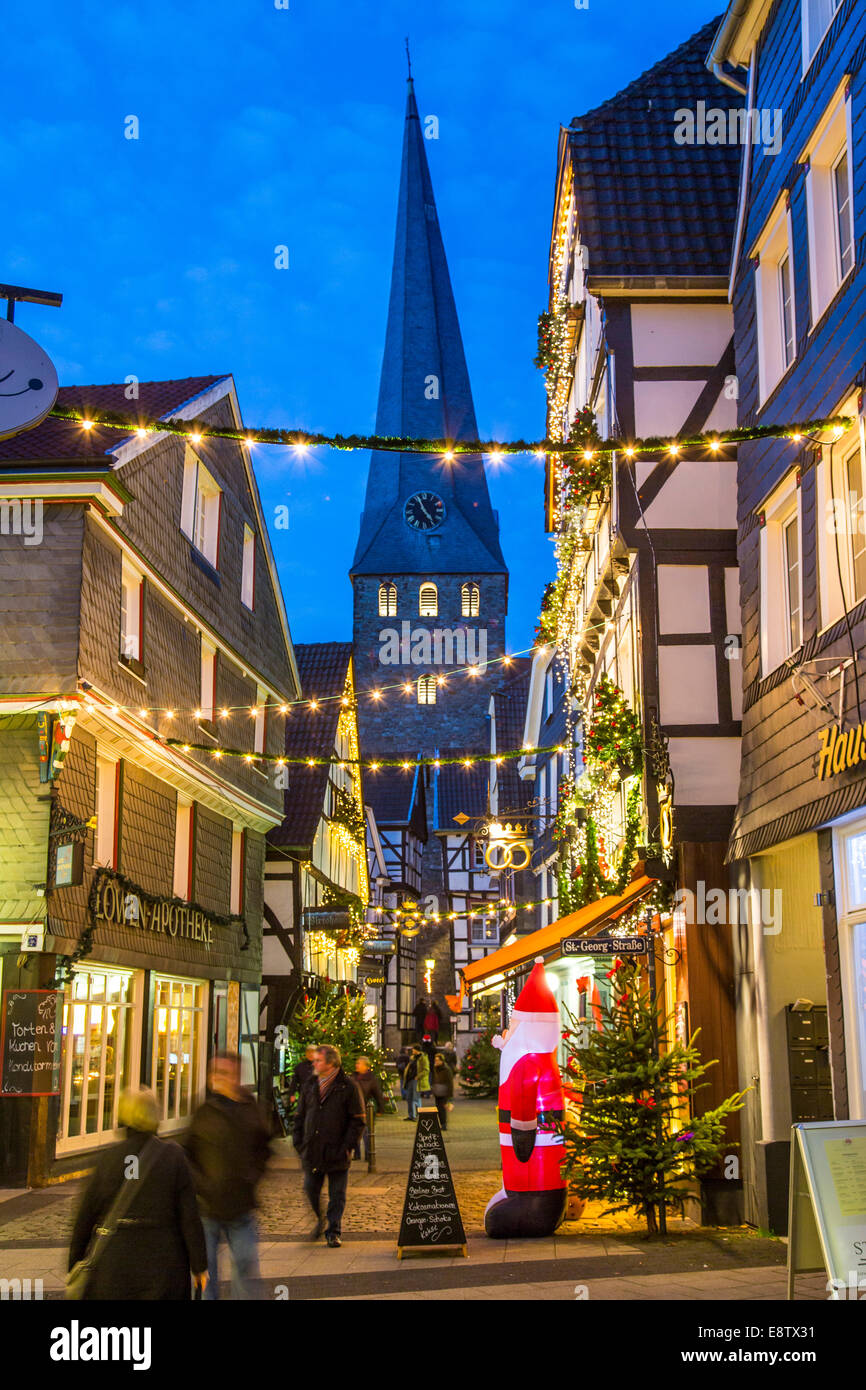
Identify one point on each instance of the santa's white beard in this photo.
(525, 1038)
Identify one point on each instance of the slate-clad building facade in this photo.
(798, 840)
(150, 611)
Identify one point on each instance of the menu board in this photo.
(431, 1217)
(30, 1042)
(827, 1222)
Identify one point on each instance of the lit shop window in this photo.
(387, 600)
(178, 1038)
(97, 1053)
(428, 601)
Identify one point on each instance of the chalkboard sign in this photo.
(281, 1112)
(30, 1044)
(827, 1206)
(431, 1216)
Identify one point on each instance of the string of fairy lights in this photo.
(465, 760)
(197, 432)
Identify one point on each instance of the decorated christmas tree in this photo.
(479, 1070)
(338, 1019)
(629, 1143)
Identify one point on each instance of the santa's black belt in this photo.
(545, 1117)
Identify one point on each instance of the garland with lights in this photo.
(283, 760)
(197, 431)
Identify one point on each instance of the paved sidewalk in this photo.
(596, 1258)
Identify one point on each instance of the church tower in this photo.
(430, 585)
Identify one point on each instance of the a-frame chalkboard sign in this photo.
(431, 1217)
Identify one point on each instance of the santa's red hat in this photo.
(536, 1001)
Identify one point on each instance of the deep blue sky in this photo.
(259, 127)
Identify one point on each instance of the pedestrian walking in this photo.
(443, 1088)
(228, 1146)
(368, 1084)
(423, 1062)
(419, 1013)
(302, 1072)
(138, 1226)
(433, 1019)
(328, 1125)
(410, 1083)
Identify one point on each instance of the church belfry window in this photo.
(426, 690)
(470, 600)
(387, 600)
(428, 601)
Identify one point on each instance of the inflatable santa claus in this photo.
(532, 1199)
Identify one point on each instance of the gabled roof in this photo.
(65, 441)
(509, 706)
(461, 791)
(397, 797)
(646, 205)
(424, 393)
(323, 667)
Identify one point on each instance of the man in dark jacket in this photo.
(228, 1147)
(368, 1084)
(302, 1072)
(328, 1124)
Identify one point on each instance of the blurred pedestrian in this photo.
(410, 1083)
(138, 1225)
(228, 1146)
(303, 1071)
(423, 1073)
(443, 1088)
(419, 1013)
(368, 1084)
(328, 1125)
(433, 1019)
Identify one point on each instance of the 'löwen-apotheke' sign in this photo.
(840, 749)
(114, 901)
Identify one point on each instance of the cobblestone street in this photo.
(596, 1257)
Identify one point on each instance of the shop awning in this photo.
(547, 941)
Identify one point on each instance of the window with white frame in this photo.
(829, 203)
(428, 601)
(107, 801)
(208, 680)
(200, 507)
(237, 877)
(261, 719)
(131, 613)
(183, 850)
(817, 16)
(781, 576)
(248, 573)
(841, 507)
(775, 311)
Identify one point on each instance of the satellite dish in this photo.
(28, 381)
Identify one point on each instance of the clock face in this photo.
(424, 511)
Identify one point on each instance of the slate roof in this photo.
(322, 667)
(462, 790)
(645, 205)
(397, 797)
(509, 703)
(423, 340)
(64, 441)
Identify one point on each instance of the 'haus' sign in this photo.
(840, 749)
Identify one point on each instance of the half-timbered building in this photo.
(798, 844)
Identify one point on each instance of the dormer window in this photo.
(426, 690)
(428, 601)
(387, 600)
(470, 600)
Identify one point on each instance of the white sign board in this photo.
(28, 381)
(827, 1205)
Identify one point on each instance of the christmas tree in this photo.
(628, 1144)
(338, 1019)
(479, 1070)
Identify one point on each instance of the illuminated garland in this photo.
(448, 449)
(283, 760)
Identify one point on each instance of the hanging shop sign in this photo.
(326, 919)
(115, 901)
(604, 946)
(380, 947)
(840, 749)
(28, 381)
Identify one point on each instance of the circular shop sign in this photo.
(28, 381)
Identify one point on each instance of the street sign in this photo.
(380, 947)
(326, 919)
(604, 946)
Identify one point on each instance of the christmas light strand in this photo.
(448, 449)
(466, 760)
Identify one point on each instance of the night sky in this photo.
(260, 127)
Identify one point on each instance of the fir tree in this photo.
(629, 1145)
(479, 1070)
(339, 1020)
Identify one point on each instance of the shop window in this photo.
(248, 576)
(387, 600)
(829, 201)
(178, 1046)
(428, 601)
(131, 615)
(781, 577)
(249, 1036)
(97, 1062)
(107, 818)
(470, 601)
(426, 690)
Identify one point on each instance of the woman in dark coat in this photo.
(443, 1088)
(159, 1240)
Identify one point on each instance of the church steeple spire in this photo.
(424, 392)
